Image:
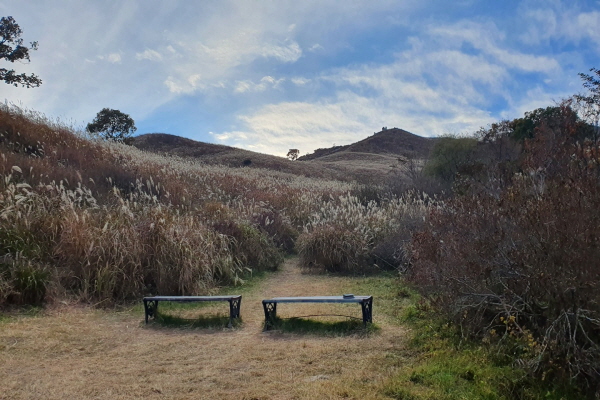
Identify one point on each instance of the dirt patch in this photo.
(89, 354)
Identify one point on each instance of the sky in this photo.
(272, 75)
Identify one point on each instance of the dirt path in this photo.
(82, 353)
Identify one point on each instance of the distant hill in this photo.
(208, 153)
(393, 141)
(164, 142)
(369, 160)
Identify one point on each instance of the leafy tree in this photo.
(449, 156)
(12, 49)
(112, 125)
(524, 128)
(293, 154)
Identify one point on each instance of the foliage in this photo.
(517, 260)
(451, 156)
(112, 125)
(293, 154)
(448, 367)
(525, 128)
(11, 50)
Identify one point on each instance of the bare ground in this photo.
(84, 353)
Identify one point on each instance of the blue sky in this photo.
(272, 75)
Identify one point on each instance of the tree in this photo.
(10, 33)
(293, 154)
(112, 125)
(590, 104)
(449, 156)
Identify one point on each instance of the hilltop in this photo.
(387, 142)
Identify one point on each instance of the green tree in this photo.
(11, 50)
(112, 125)
(524, 128)
(449, 156)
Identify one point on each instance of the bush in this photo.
(520, 265)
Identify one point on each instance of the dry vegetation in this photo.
(513, 258)
(107, 222)
(505, 247)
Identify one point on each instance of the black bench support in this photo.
(235, 303)
(270, 305)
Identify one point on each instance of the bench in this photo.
(235, 302)
(270, 305)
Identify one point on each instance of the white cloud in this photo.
(488, 39)
(299, 81)
(265, 83)
(316, 47)
(148, 54)
(114, 58)
(184, 86)
(557, 20)
(287, 53)
(346, 119)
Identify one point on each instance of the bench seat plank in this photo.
(320, 299)
(191, 298)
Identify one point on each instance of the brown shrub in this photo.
(523, 261)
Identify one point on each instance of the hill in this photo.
(215, 154)
(369, 160)
(376, 157)
(393, 142)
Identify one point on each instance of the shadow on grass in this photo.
(307, 326)
(218, 321)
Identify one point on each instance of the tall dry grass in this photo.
(347, 235)
(105, 222)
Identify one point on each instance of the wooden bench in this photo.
(235, 302)
(270, 305)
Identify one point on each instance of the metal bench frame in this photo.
(235, 302)
(270, 305)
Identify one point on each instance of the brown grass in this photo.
(73, 352)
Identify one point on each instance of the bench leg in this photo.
(270, 309)
(151, 308)
(367, 311)
(234, 310)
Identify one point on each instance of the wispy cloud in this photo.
(149, 54)
(265, 82)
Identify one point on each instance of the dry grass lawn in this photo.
(83, 353)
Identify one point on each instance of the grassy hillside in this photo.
(213, 154)
(392, 142)
(370, 160)
(103, 221)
